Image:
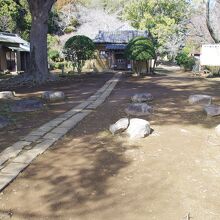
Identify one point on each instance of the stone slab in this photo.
(12, 151)
(5, 180)
(43, 146)
(31, 138)
(53, 136)
(26, 157)
(14, 168)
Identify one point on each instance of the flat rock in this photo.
(217, 130)
(200, 99)
(28, 105)
(3, 122)
(53, 96)
(7, 95)
(139, 109)
(212, 110)
(138, 128)
(142, 97)
(120, 126)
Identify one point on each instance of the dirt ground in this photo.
(76, 88)
(91, 175)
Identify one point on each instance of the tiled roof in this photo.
(15, 39)
(118, 37)
(11, 38)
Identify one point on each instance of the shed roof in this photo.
(119, 37)
(11, 38)
(115, 46)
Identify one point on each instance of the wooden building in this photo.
(14, 53)
(111, 47)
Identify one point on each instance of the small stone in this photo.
(200, 99)
(3, 122)
(7, 95)
(217, 130)
(138, 128)
(53, 96)
(119, 126)
(212, 110)
(139, 109)
(26, 105)
(142, 97)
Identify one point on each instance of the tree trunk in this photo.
(213, 19)
(38, 68)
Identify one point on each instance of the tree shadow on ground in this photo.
(75, 177)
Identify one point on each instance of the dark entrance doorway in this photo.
(121, 61)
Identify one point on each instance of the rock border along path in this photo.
(17, 157)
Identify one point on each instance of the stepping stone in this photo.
(217, 130)
(139, 109)
(138, 128)
(53, 96)
(3, 122)
(7, 95)
(26, 105)
(142, 97)
(212, 110)
(200, 99)
(120, 126)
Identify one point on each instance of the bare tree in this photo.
(213, 19)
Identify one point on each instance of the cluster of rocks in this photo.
(139, 105)
(135, 127)
(28, 105)
(206, 102)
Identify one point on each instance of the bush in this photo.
(57, 65)
(140, 49)
(53, 55)
(74, 22)
(185, 60)
(69, 29)
(78, 49)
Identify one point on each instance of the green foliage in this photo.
(52, 41)
(185, 60)
(53, 26)
(8, 15)
(69, 29)
(140, 49)
(164, 19)
(53, 55)
(74, 22)
(78, 49)
(15, 17)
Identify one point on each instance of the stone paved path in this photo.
(17, 157)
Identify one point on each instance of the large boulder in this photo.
(7, 95)
(138, 128)
(212, 110)
(120, 126)
(217, 130)
(53, 96)
(142, 97)
(139, 109)
(28, 105)
(3, 122)
(200, 99)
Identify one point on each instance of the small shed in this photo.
(111, 47)
(14, 53)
